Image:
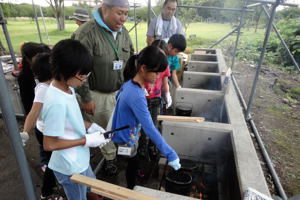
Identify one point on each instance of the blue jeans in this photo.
(74, 191)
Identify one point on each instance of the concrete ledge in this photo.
(213, 140)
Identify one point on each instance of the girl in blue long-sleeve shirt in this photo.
(131, 108)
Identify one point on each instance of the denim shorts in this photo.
(74, 191)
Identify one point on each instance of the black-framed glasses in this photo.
(83, 79)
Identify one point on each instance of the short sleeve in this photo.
(174, 63)
(40, 92)
(167, 72)
(151, 28)
(54, 116)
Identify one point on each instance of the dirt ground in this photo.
(275, 110)
(277, 118)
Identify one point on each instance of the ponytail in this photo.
(152, 57)
(130, 69)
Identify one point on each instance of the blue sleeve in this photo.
(140, 110)
(54, 116)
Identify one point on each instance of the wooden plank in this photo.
(110, 189)
(108, 195)
(180, 118)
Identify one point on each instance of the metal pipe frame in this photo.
(282, 40)
(135, 24)
(149, 12)
(44, 24)
(253, 5)
(260, 143)
(8, 40)
(274, 2)
(14, 136)
(217, 8)
(135, 29)
(223, 38)
(37, 22)
(238, 35)
(262, 55)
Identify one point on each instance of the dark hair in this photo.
(152, 57)
(161, 44)
(178, 42)
(167, 1)
(69, 57)
(29, 50)
(41, 67)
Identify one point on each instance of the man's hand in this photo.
(89, 107)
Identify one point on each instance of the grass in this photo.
(23, 30)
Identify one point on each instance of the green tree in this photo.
(289, 13)
(58, 11)
(188, 15)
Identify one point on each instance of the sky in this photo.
(70, 2)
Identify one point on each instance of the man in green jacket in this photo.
(110, 45)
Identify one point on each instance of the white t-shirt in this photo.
(62, 118)
(40, 91)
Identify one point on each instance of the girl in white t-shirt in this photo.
(41, 71)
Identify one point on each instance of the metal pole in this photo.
(37, 22)
(274, 3)
(136, 23)
(282, 40)
(149, 11)
(45, 28)
(7, 37)
(253, 5)
(262, 54)
(217, 8)
(135, 29)
(238, 35)
(261, 143)
(14, 136)
(223, 38)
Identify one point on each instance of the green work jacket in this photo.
(103, 78)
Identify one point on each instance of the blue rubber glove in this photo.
(175, 164)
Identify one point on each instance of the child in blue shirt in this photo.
(131, 109)
(64, 129)
(176, 44)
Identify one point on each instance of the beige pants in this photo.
(105, 103)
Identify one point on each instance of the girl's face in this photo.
(77, 80)
(149, 76)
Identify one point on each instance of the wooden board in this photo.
(180, 118)
(110, 190)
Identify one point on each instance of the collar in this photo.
(101, 23)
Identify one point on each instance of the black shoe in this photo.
(111, 167)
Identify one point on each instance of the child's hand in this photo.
(94, 128)
(25, 137)
(95, 139)
(175, 164)
(169, 99)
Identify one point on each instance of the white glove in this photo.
(25, 137)
(169, 99)
(175, 164)
(95, 139)
(94, 128)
